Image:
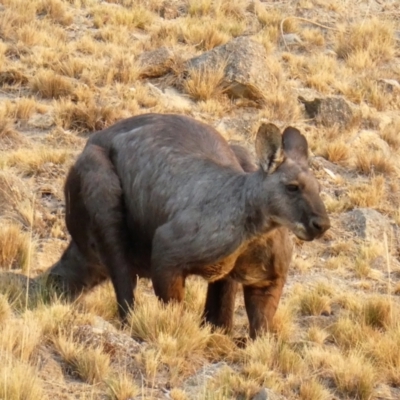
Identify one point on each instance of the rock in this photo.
(41, 121)
(246, 73)
(329, 111)
(170, 96)
(370, 140)
(241, 127)
(172, 9)
(366, 223)
(261, 395)
(389, 85)
(155, 63)
(291, 38)
(267, 394)
(197, 382)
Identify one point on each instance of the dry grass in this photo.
(121, 387)
(391, 134)
(49, 85)
(85, 116)
(69, 68)
(204, 83)
(19, 381)
(372, 162)
(370, 194)
(15, 247)
(31, 161)
(374, 37)
(92, 365)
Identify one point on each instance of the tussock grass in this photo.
(21, 337)
(85, 116)
(171, 327)
(314, 390)
(122, 387)
(31, 161)
(205, 35)
(337, 151)
(92, 365)
(372, 194)
(377, 312)
(5, 309)
(49, 85)
(313, 302)
(134, 17)
(391, 134)
(19, 381)
(373, 36)
(56, 10)
(205, 83)
(15, 247)
(352, 374)
(371, 162)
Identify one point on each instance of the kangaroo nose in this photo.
(320, 224)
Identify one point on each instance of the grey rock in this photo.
(195, 385)
(246, 73)
(389, 85)
(329, 111)
(261, 395)
(243, 126)
(292, 38)
(156, 63)
(366, 223)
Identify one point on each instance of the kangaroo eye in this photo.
(292, 188)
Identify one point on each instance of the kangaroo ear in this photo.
(294, 144)
(268, 142)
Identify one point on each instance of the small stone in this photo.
(329, 111)
(292, 38)
(156, 63)
(261, 395)
(390, 85)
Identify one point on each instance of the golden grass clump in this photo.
(313, 302)
(133, 17)
(336, 151)
(5, 309)
(21, 337)
(31, 161)
(9, 137)
(92, 365)
(372, 162)
(205, 83)
(385, 351)
(122, 386)
(373, 36)
(49, 85)
(85, 116)
(377, 312)
(205, 35)
(56, 10)
(391, 134)
(313, 390)
(371, 194)
(15, 247)
(19, 381)
(171, 327)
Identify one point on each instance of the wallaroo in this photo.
(165, 197)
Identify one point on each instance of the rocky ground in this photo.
(330, 68)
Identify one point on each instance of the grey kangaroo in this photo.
(165, 196)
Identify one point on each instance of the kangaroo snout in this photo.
(319, 225)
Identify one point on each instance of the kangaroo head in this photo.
(290, 184)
